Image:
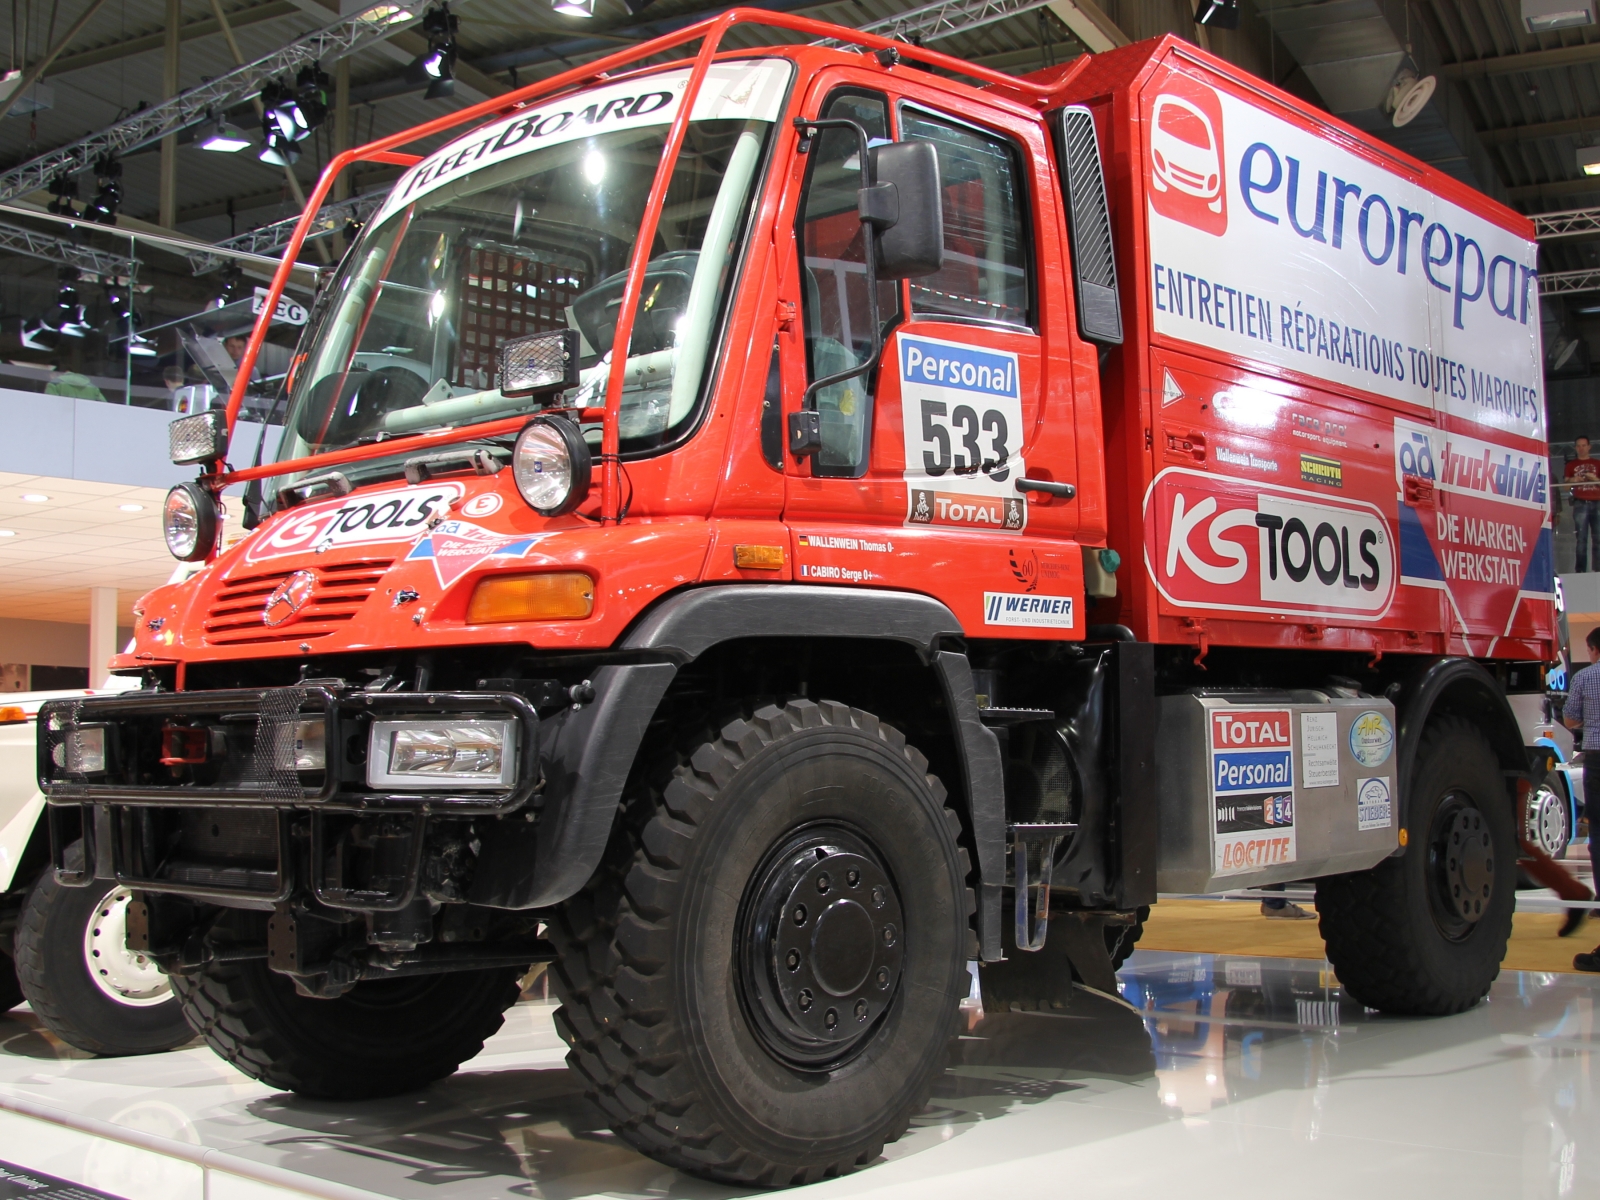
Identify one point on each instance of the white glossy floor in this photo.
(1240, 1077)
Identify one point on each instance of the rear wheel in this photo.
(1549, 817)
(761, 982)
(80, 978)
(1424, 933)
(382, 1038)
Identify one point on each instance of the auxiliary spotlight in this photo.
(68, 317)
(232, 287)
(63, 191)
(38, 335)
(140, 346)
(311, 95)
(282, 125)
(102, 210)
(223, 137)
(437, 65)
(119, 299)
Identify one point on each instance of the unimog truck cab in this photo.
(749, 534)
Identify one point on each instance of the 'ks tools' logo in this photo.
(1187, 166)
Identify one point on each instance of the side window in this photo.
(838, 324)
(985, 273)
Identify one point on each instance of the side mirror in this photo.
(906, 206)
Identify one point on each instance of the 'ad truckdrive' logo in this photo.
(1187, 165)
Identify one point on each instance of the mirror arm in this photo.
(808, 402)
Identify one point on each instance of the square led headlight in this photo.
(442, 753)
(302, 745)
(540, 362)
(200, 438)
(81, 751)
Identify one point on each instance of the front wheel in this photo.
(381, 1038)
(1424, 933)
(80, 978)
(762, 980)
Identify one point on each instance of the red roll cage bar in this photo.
(384, 150)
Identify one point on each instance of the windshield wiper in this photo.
(463, 458)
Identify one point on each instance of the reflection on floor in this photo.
(1237, 927)
(1222, 1076)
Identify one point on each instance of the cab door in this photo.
(922, 456)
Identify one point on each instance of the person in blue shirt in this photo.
(1583, 712)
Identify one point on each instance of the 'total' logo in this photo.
(1186, 170)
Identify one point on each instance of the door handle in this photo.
(1065, 490)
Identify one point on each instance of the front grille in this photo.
(236, 616)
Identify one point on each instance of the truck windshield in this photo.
(462, 260)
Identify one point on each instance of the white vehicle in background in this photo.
(64, 949)
(1558, 801)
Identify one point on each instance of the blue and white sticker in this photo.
(1027, 610)
(1371, 739)
(1374, 808)
(961, 411)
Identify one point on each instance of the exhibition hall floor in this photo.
(1236, 1077)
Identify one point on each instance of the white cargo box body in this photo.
(1269, 787)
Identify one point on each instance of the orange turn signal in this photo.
(758, 558)
(10, 714)
(553, 596)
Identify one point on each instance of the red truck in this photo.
(1012, 497)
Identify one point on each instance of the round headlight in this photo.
(189, 522)
(551, 465)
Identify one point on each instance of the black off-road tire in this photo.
(661, 985)
(382, 1038)
(1392, 936)
(54, 973)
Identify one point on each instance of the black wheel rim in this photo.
(1461, 866)
(820, 946)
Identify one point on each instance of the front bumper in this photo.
(246, 760)
(243, 825)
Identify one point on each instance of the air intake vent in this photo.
(237, 612)
(1094, 266)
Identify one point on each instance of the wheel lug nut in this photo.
(880, 896)
(852, 877)
(824, 883)
(831, 1018)
(793, 960)
(861, 1010)
(799, 914)
(889, 934)
(805, 999)
(883, 977)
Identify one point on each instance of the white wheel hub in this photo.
(1547, 821)
(124, 975)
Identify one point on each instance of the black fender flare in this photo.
(1452, 685)
(587, 753)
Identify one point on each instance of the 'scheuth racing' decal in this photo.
(455, 547)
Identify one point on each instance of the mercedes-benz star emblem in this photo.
(288, 598)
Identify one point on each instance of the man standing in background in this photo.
(1584, 473)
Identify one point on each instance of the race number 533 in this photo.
(963, 414)
(965, 440)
